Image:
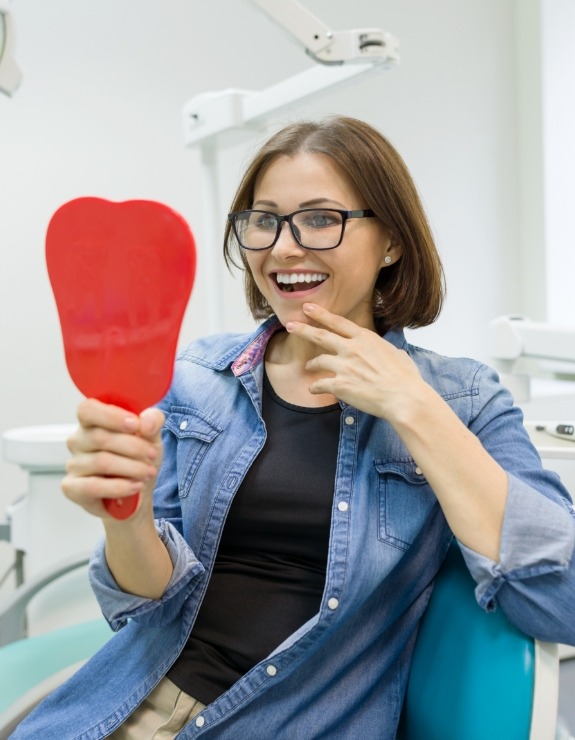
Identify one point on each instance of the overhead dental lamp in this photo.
(10, 75)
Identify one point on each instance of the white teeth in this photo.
(300, 277)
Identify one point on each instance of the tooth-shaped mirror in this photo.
(122, 274)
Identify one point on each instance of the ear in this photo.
(391, 254)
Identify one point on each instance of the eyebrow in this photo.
(305, 204)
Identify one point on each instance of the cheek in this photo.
(254, 266)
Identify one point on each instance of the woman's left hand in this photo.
(361, 369)
(376, 377)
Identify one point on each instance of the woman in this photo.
(314, 474)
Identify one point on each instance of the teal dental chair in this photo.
(474, 676)
(31, 667)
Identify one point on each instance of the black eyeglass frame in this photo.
(345, 215)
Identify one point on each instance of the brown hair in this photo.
(410, 292)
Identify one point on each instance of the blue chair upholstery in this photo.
(26, 663)
(30, 667)
(474, 675)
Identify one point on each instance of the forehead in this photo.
(304, 176)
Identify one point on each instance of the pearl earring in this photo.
(387, 260)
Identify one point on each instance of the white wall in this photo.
(99, 114)
(546, 166)
(558, 123)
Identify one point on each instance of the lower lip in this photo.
(296, 294)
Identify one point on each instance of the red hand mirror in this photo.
(122, 274)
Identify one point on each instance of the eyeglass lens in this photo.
(320, 228)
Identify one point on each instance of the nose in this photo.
(287, 245)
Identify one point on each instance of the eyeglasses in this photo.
(312, 228)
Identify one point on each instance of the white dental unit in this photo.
(518, 347)
(46, 530)
(522, 349)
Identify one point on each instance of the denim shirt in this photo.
(343, 674)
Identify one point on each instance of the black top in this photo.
(269, 573)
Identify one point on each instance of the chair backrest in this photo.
(475, 676)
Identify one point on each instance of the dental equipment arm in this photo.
(512, 337)
(327, 46)
(10, 75)
(213, 113)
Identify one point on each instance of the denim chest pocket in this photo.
(405, 500)
(194, 433)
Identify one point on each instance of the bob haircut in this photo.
(408, 293)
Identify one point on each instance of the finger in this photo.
(94, 439)
(94, 413)
(323, 338)
(89, 492)
(324, 363)
(337, 324)
(110, 465)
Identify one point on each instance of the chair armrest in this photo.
(13, 612)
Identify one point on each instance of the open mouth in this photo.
(289, 282)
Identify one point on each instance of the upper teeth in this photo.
(300, 277)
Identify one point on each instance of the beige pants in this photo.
(160, 716)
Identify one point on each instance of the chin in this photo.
(292, 314)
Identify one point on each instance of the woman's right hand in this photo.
(115, 454)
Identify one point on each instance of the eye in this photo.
(320, 219)
(265, 221)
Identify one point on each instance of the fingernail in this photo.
(289, 326)
(309, 307)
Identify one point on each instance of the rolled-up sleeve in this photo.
(534, 580)
(118, 606)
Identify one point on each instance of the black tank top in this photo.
(269, 573)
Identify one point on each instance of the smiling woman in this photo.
(377, 181)
(308, 481)
(341, 241)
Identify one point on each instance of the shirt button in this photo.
(183, 425)
(271, 670)
(349, 420)
(343, 506)
(333, 603)
(418, 471)
(200, 721)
